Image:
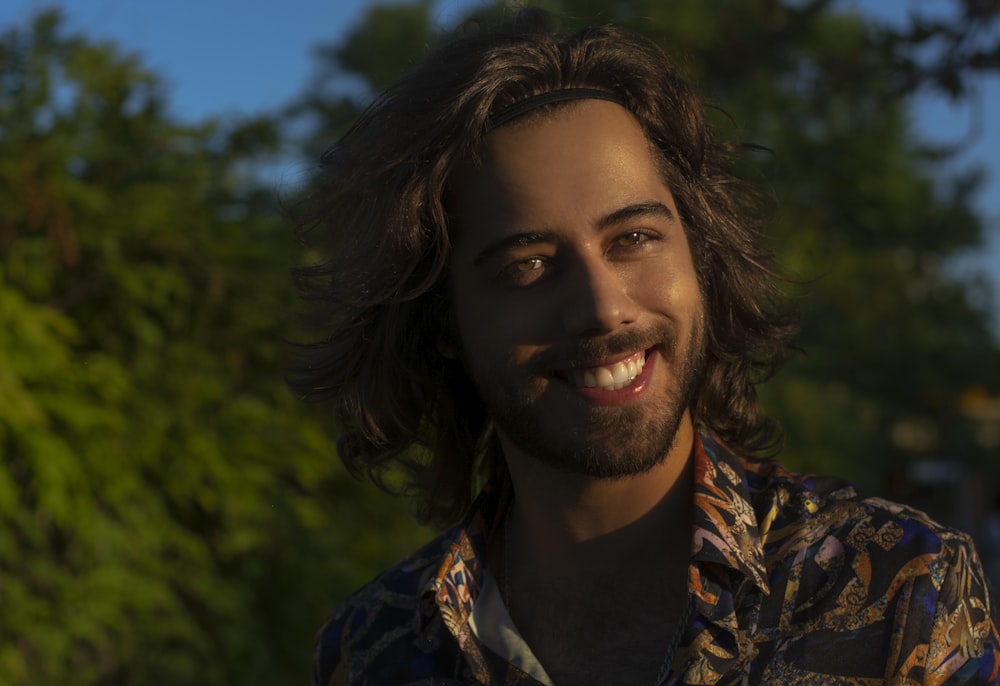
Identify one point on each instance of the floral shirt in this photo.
(794, 579)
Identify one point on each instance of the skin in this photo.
(569, 255)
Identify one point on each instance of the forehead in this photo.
(564, 167)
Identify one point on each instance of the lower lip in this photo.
(623, 395)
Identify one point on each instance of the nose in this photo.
(596, 301)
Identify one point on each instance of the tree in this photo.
(163, 498)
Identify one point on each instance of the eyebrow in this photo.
(517, 240)
(520, 240)
(642, 209)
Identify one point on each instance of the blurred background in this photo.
(170, 514)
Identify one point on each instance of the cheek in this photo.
(480, 325)
(496, 339)
(498, 317)
(671, 284)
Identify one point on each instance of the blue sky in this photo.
(218, 56)
(242, 56)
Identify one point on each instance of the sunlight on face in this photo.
(577, 305)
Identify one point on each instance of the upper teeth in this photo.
(613, 377)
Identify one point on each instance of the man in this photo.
(544, 278)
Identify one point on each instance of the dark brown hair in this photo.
(378, 202)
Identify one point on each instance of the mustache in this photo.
(586, 352)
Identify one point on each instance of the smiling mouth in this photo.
(613, 377)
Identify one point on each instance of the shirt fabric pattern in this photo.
(794, 579)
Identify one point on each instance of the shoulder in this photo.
(875, 570)
(801, 510)
(389, 624)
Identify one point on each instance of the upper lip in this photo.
(572, 365)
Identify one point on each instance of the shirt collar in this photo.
(460, 576)
(725, 533)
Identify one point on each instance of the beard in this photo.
(563, 430)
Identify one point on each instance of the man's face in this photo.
(578, 312)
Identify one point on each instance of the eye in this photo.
(631, 238)
(523, 272)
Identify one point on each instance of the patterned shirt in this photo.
(794, 580)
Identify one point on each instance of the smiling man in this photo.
(548, 308)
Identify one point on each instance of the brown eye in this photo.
(523, 272)
(631, 238)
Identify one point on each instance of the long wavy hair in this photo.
(378, 204)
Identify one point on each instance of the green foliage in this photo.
(170, 514)
(385, 45)
(164, 502)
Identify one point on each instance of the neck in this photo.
(594, 571)
(572, 520)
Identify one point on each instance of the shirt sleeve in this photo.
(964, 647)
(330, 656)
